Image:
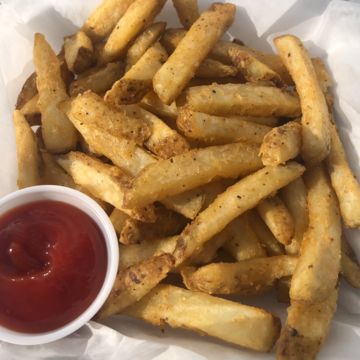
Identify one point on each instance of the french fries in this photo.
(152, 103)
(58, 133)
(343, 180)
(281, 144)
(135, 282)
(78, 52)
(213, 69)
(278, 219)
(200, 312)
(188, 11)
(97, 80)
(216, 130)
(130, 24)
(28, 91)
(242, 99)
(27, 152)
(103, 19)
(350, 268)
(181, 66)
(315, 115)
(142, 43)
(241, 277)
(199, 166)
(237, 199)
(31, 111)
(137, 81)
(104, 181)
(317, 271)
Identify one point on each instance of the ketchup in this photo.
(52, 265)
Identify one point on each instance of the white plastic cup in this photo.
(92, 209)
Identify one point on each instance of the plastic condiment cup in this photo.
(92, 209)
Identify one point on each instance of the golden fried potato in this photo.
(187, 11)
(152, 103)
(350, 268)
(232, 322)
(31, 111)
(213, 69)
(28, 91)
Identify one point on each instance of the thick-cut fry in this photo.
(306, 328)
(118, 219)
(344, 182)
(181, 66)
(252, 69)
(135, 282)
(278, 219)
(315, 120)
(317, 271)
(58, 133)
(216, 130)
(137, 16)
(242, 99)
(164, 141)
(103, 19)
(27, 152)
(137, 81)
(223, 319)
(242, 277)
(265, 236)
(281, 144)
(91, 109)
(237, 199)
(213, 69)
(152, 103)
(146, 39)
(243, 244)
(294, 196)
(187, 11)
(350, 268)
(190, 170)
(103, 181)
(78, 52)
(97, 80)
(28, 91)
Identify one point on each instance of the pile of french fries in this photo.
(215, 162)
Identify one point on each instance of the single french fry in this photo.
(31, 111)
(136, 17)
(118, 218)
(215, 188)
(265, 236)
(315, 119)
(27, 92)
(190, 170)
(306, 328)
(78, 52)
(243, 244)
(344, 182)
(28, 157)
(187, 11)
(238, 278)
(213, 69)
(143, 42)
(350, 268)
(97, 80)
(181, 66)
(135, 282)
(281, 144)
(58, 133)
(294, 196)
(104, 181)
(218, 130)
(90, 108)
(252, 69)
(232, 322)
(278, 219)
(325, 80)
(242, 99)
(103, 19)
(137, 81)
(237, 199)
(152, 103)
(317, 271)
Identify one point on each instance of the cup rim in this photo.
(92, 209)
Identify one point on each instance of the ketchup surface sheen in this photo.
(52, 265)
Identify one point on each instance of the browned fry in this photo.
(28, 91)
(281, 144)
(118, 218)
(217, 130)
(187, 11)
(103, 19)
(282, 290)
(242, 277)
(152, 103)
(325, 80)
(181, 66)
(31, 111)
(242, 99)
(135, 282)
(137, 16)
(213, 69)
(350, 268)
